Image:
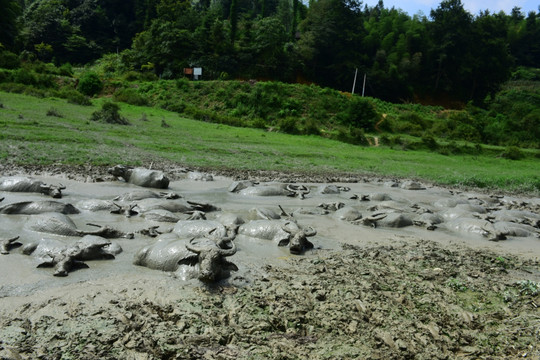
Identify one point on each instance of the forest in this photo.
(447, 57)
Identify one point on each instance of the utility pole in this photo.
(364, 86)
(354, 82)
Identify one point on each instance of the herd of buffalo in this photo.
(202, 236)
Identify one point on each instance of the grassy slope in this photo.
(28, 136)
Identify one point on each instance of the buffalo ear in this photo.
(231, 266)
(190, 260)
(80, 265)
(283, 242)
(46, 262)
(308, 244)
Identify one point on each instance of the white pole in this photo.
(354, 82)
(364, 86)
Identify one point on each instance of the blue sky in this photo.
(473, 6)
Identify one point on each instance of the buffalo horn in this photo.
(228, 252)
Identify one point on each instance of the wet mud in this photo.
(367, 289)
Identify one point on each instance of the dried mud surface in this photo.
(408, 298)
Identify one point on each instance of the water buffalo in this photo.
(202, 255)
(107, 205)
(237, 186)
(269, 230)
(298, 241)
(60, 224)
(428, 220)
(161, 215)
(332, 189)
(146, 194)
(38, 207)
(274, 189)
(199, 176)
(476, 226)
(515, 229)
(175, 206)
(412, 185)
(140, 176)
(518, 216)
(299, 191)
(392, 220)
(264, 213)
(7, 244)
(64, 258)
(28, 184)
(199, 228)
(348, 213)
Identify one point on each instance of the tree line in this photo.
(447, 56)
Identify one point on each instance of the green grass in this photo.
(28, 136)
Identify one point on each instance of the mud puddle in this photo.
(362, 292)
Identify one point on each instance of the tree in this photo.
(233, 14)
(451, 54)
(330, 41)
(10, 11)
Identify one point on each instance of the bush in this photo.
(311, 128)
(54, 112)
(430, 142)
(9, 60)
(132, 76)
(513, 153)
(130, 96)
(177, 107)
(109, 113)
(288, 125)
(353, 136)
(75, 97)
(65, 70)
(24, 76)
(182, 84)
(90, 84)
(360, 113)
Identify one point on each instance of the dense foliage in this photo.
(449, 57)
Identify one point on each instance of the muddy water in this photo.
(20, 277)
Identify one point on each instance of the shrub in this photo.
(24, 76)
(288, 125)
(182, 84)
(177, 107)
(109, 113)
(9, 60)
(258, 123)
(513, 153)
(132, 76)
(54, 112)
(75, 97)
(311, 128)
(90, 84)
(430, 142)
(5, 76)
(353, 136)
(65, 70)
(360, 113)
(130, 96)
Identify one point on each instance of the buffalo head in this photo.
(126, 210)
(298, 241)
(52, 190)
(119, 170)
(212, 263)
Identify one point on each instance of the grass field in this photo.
(67, 136)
